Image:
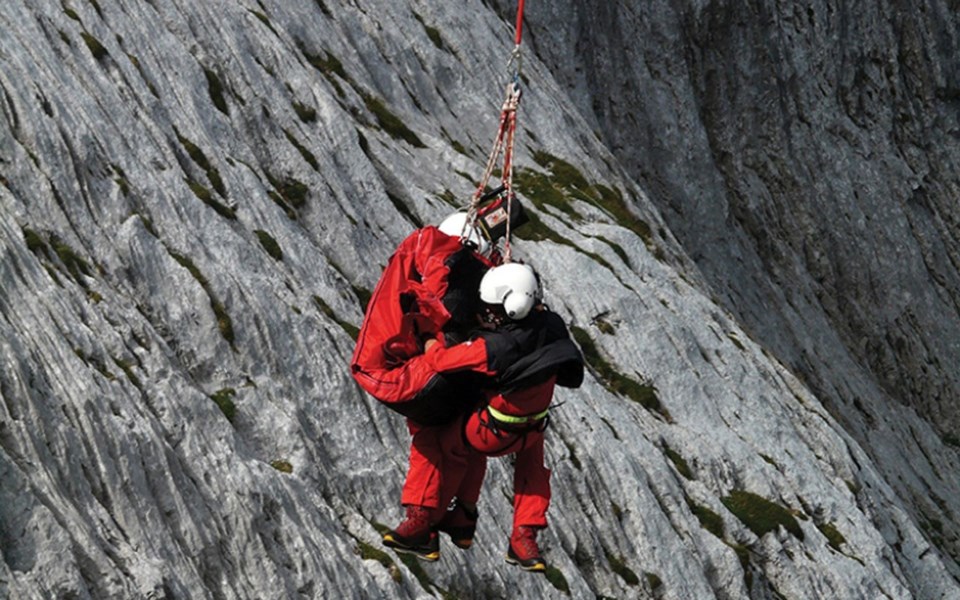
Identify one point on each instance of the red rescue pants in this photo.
(531, 479)
(465, 448)
(422, 485)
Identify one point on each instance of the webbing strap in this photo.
(504, 141)
(515, 420)
(506, 134)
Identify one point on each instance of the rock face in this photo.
(745, 211)
(805, 151)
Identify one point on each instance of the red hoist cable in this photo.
(504, 142)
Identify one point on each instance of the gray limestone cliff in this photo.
(745, 211)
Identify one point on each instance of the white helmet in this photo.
(455, 225)
(513, 285)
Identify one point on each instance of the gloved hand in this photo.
(415, 329)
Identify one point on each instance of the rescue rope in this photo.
(504, 142)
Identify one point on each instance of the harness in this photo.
(502, 425)
(517, 423)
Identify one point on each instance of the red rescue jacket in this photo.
(429, 283)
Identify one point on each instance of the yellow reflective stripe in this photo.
(505, 418)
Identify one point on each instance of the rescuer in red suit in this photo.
(426, 290)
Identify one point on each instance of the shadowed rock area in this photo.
(746, 213)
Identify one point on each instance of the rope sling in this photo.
(504, 142)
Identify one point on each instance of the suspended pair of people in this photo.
(463, 346)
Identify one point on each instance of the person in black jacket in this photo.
(525, 351)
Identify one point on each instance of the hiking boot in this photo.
(524, 551)
(459, 523)
(414, 535)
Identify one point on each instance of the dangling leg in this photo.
(531, 485)
(462, 481)
(531, 499)
(420, 496)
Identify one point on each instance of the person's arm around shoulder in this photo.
(470, 355)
